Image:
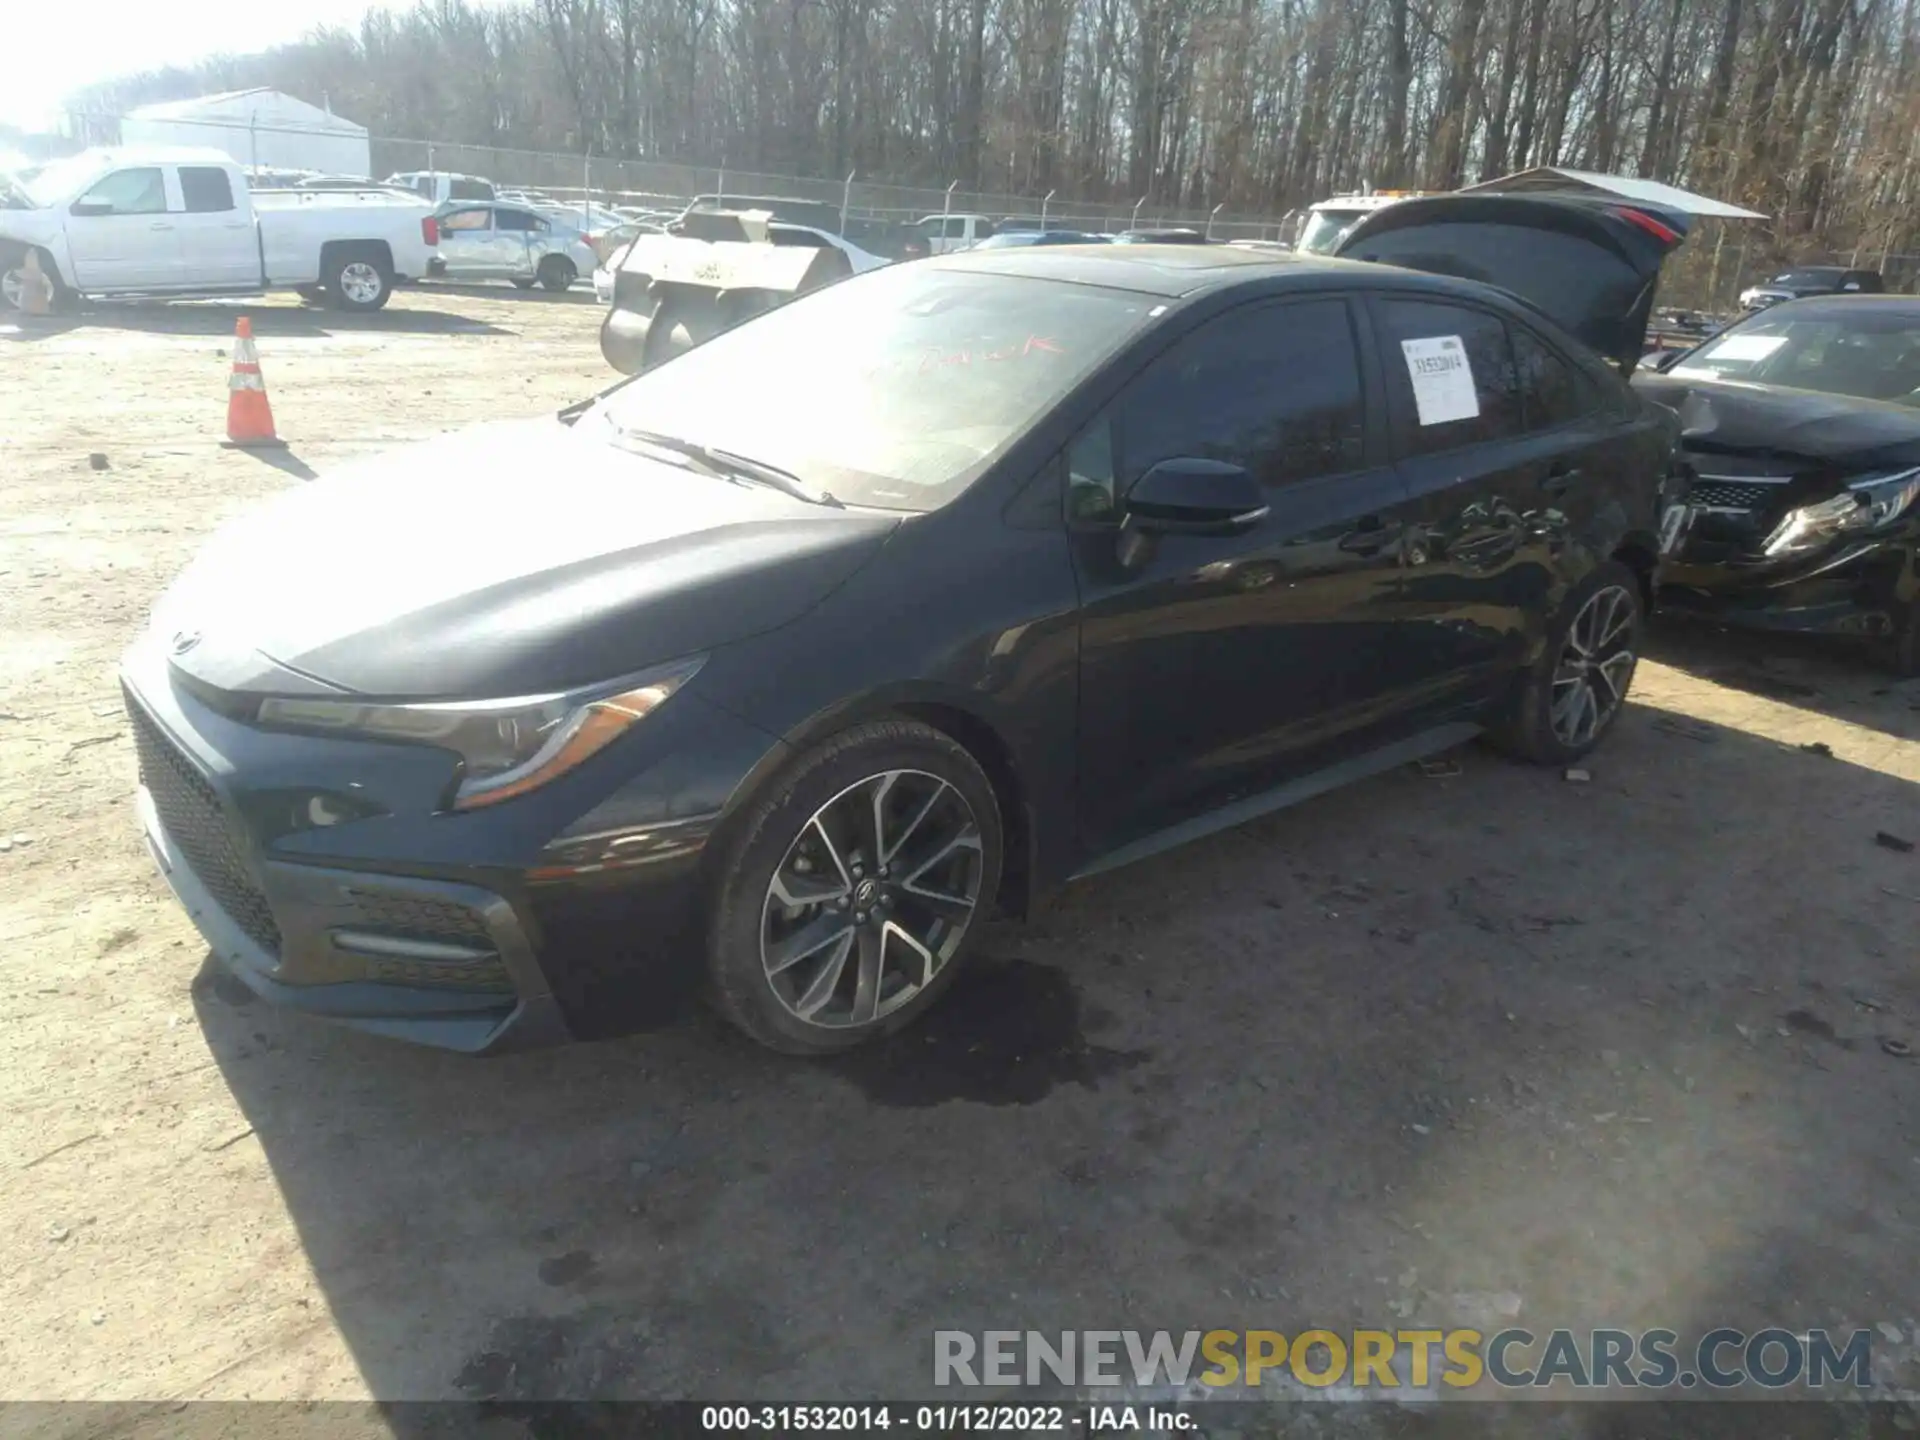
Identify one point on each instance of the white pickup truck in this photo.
(182, 222)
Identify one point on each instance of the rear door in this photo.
(121, 234)
(1476, 564)
(1504, 496)
(217, 239)
(520, 238)
(1213, 668)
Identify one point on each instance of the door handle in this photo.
(160, 225)
(1369, 536)
(1559, 478)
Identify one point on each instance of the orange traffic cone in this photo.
(36, 291)
(249, 416)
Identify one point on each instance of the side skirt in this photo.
(1281, 797)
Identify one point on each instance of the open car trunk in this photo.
(1590, 263)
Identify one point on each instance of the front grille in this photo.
(481, 972)
(1731, 494)
(194, 819)
(417, 917)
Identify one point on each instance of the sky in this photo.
(49, 56)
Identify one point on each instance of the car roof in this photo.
(1179, 271)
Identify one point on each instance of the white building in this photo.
(255, 127)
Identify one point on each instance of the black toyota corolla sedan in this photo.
(774, 670)
(1803, 426)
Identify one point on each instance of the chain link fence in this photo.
(662, 184)
(1720, 261)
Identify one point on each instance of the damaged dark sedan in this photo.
(1802, 425)
(899, 604)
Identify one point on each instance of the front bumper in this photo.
(1855, 587)
(304, 899)
(574, 912)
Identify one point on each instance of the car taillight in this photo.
(430, 231)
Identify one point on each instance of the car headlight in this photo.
(1866, 504)
(507, 747)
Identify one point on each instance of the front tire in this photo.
(358, 281)
(13, 281)
(557, 273)
(851, 892)
(1566, 701)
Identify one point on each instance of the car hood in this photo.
(511, 559)
(1732, 417)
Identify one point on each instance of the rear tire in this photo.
(852, 892)
(358, 280)
(1566, 701)
(557, 273)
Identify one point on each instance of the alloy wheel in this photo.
(12, 285)
(872, 899)
(1595, 666)
(360, 282)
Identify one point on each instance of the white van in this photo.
(946, 233)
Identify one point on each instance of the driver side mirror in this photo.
(1668, 359)
(91, 207)
(1191, 496)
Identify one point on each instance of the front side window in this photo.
(895, 389)
(206, 189)
(1273, 388)
(129, 192)
(1450, 375)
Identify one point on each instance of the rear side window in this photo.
(206, 189)
(1552, 392)
(458, 220)
(1450, 376)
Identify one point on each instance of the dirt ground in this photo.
(1616, 1053)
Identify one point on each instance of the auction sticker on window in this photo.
(1748, 347)
(1442, 380)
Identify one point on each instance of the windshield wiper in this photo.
(728, 466)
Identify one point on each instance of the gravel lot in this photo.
(1617, 1049)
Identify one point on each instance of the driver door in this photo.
(1215, 667)
(121, 235)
